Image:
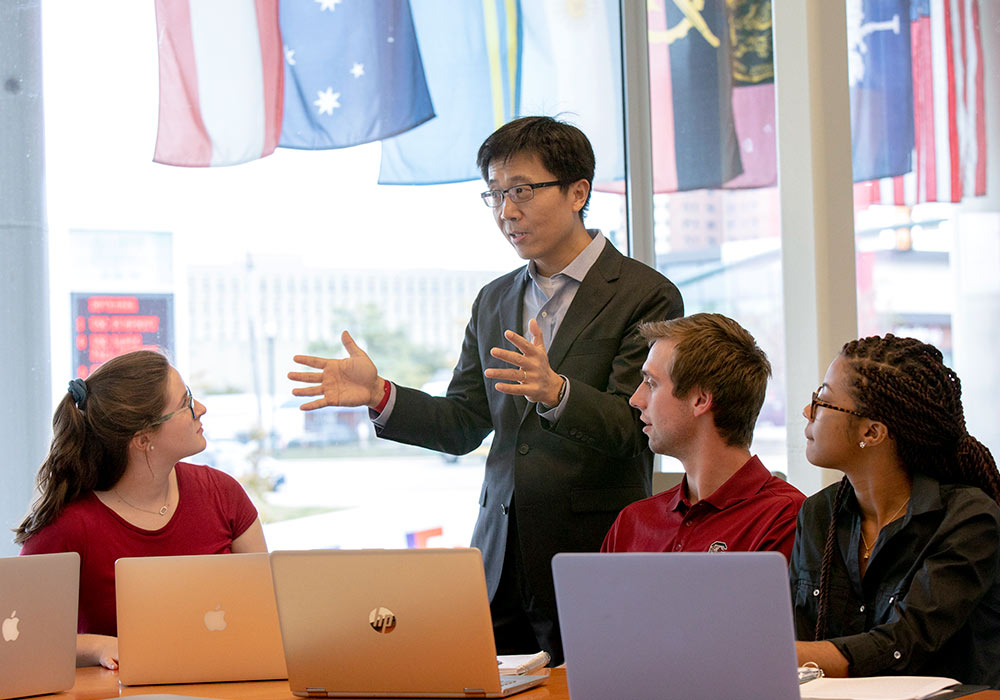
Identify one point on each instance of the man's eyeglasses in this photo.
(190, 406)
(816, 401)
(517, 194)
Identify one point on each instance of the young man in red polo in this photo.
(702, 388)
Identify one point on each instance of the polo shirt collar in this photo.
(745, 483)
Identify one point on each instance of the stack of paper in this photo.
(875, 688)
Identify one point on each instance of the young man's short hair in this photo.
(562, 148)
(716, 354)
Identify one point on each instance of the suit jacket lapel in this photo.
(511, 315)
(594, 293)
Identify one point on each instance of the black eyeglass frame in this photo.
(817, 401)
(190, 406)
(528, 194)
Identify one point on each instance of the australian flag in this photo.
(353, 73)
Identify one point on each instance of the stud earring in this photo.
(151, 447)
(861, 444)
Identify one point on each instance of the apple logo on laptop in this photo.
(382, 620)
(215, 620)
(10, 631)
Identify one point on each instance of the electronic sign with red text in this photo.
(108, 325)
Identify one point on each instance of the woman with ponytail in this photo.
(113, 485)
(895, 570)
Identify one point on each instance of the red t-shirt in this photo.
(752, 511)
(212, 510)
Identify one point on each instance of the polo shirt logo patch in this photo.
(718, 546)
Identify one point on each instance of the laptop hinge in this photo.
(316, 692)
(474, 692)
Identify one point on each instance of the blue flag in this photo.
(353, 72)
(881, 79)
(472, 58)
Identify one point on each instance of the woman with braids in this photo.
(895, 570)
(113, 486)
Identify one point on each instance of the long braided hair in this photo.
(904, 384)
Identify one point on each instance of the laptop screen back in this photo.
(386, 622)
(702, 625)
(38, 607)
(191, 619)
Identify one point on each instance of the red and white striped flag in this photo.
(948, 110)
(221, 77)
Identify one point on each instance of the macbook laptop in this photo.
(397, 623)
(38, 606)
(698, 626)
(192, 619)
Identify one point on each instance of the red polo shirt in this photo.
(752, 511)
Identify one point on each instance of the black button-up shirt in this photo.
(929, 603)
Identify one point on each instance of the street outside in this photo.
(376, 501)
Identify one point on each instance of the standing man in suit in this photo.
(550, 357)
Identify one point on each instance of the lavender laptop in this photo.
(697, 626)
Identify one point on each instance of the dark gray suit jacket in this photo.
(567, 480)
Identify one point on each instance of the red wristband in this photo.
(385, 397)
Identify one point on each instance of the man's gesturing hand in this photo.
(531, 377)
(352, 381)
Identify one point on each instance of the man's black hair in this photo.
(562, 149)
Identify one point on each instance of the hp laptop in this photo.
(38, 605)
(395, 623)
(192, 619)
(698, 626)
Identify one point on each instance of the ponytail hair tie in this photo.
(78, 390)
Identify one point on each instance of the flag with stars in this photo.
(353, 73)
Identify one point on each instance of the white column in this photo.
(638, 132)
(817, 218)
(25, 408)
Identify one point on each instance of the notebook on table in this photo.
(698, 626)
(389, 623)
(193, 619)
(38, 607)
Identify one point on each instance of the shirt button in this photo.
(861, 609)
(893, 598)
(677, 548)
(687, 523)
(545, 314)
(815, 591)
(897, 655)
(523, 449)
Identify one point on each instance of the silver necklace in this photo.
(161, 512)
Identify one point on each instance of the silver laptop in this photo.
(394, 623)
(38, 607)
(698, 626)
(192, 619)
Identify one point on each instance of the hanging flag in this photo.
(948, 107)
(692, 126)
(353, 73)
(879, 67)
(698, 135)
(572, 71)
(220, 81)
(471, 59)
(753, 93)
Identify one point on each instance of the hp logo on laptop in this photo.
(382, 620)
